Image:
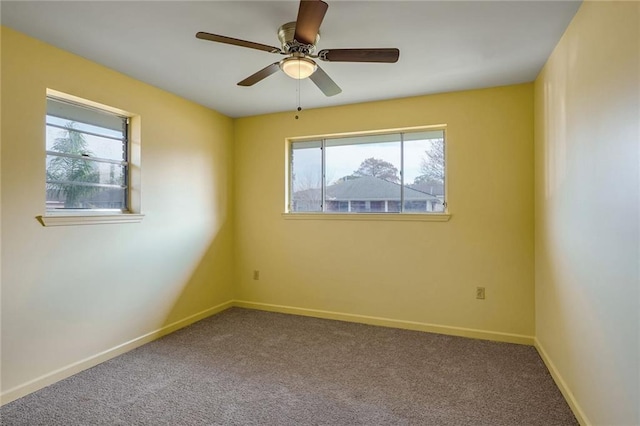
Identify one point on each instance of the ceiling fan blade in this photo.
(310, 16)
(236, 42)
(260, 75)
(324, 82)
(359, 55)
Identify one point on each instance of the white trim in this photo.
(411, 129)
(562, 385)
(86, 103)
(406, 217)
(89, 219)
(388, 322)
(76, 367)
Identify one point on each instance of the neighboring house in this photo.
(366, 194)
(432, 187)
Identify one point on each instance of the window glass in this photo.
(306, 177)
(86, 166)
(384, 173)
(362, 172)
(100, 145)
(424, 172)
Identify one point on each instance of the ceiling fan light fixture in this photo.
(298, 67)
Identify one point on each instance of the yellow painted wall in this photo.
(69, 293)
(213, 195)
(587, 146)
(423, 272)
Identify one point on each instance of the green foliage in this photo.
(61, 170)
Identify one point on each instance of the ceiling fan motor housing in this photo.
(290, 44)
(298, 40)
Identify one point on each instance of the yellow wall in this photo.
(587, 109)
(421, 272)
(213, 195)
(71, 293)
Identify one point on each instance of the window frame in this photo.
(130, 213)
(401, 215)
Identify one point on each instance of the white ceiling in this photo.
(444, 45)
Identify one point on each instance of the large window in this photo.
(87, 164)
(383, 173)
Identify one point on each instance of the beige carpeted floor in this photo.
(245, 367)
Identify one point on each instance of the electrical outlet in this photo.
(256, 275)
(479, 292)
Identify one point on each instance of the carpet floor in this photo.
(246, 367)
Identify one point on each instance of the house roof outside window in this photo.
(373, 189)
(367, 188)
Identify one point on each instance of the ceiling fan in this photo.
(299, 41)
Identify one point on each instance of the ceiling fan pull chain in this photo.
(298, 40)
(298, 99)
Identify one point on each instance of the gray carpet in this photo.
(245, 367)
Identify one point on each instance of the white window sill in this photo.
(88, 219)
(422, 217)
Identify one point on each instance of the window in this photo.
(383, 173)
(87, 166)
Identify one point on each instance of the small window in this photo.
(87, 166)
(383, 173)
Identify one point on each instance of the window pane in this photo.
(306, 176)
(363, 176)
(74, 183)
(84, 197)
(78, 170)
(67, 111)
(424, 172)
(69, 141)
(80, 142)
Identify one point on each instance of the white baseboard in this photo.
(69, 370)
(387, 322)
(562, 385)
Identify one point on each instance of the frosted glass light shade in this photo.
(298, 68)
